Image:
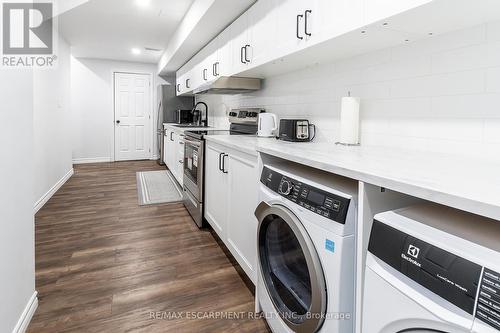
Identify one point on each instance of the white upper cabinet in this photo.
(184, 82)
(262, 30)
(241, 55)
(206, 69)
(376, 10)
(332, 18)
(224, 61)
(274, 29)
(293, 33)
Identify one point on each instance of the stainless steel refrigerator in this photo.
(168, 104)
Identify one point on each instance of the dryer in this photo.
(431, 268)
(306, 249)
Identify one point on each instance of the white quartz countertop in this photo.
(190, 128)
(465, 183)
(244, 143)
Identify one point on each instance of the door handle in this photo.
(246, 46)
(118, 121)
(178, 87)
(171, 133)
(297, 26)
(187, 83)
(216, 68)
(241, 54)
(305, 22)
(205, 74)
(220, 161)
(224, 163)
(214, 71)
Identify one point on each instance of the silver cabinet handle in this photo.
(181, 161)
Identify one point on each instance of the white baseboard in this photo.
(43, 200)
(27, 315)
(91, 160)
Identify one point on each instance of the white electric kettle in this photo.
(268, 124)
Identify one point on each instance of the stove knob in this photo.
(286, 187)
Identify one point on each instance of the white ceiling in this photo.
(109, 29)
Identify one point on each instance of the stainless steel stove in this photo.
(243, 122)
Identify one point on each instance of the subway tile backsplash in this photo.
(440, 94)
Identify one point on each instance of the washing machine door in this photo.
(290, 268)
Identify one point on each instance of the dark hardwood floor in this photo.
(106, 264)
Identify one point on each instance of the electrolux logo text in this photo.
(27, 39)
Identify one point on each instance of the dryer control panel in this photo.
(316, 200)
(488, 302)
(450, 276)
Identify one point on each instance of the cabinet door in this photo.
(169, 150)
(216, 190)
(332, 18)
(187, 82)
(242, 224)
(239, 40)
(165, 145)
(224, 63)
(210, 61)
(179, 157)
(263, 25)
(291, 33)
(179, 83)
(376, 10)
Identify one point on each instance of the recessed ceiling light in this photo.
(136, 51)
(143, 3)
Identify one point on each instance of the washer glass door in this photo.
(287, 267)
(291, 270)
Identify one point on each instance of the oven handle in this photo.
(192, 142)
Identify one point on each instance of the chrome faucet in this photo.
(205, 121)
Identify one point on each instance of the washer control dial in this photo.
(286, 187)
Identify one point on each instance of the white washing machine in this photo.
(431, 268)
(306, 250)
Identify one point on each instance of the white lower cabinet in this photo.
(216, 189)
(231, 192)
(174, 153)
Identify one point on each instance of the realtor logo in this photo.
(27, 28)
(413, 251)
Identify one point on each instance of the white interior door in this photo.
(132, 116)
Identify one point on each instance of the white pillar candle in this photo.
(349, 121)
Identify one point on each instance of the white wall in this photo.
(52, 126)
(17, 254)
(441, 94)
(92, 106)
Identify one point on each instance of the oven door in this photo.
(290, 268)
(193, 166)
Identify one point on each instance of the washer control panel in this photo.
(318, 201)
(488, 301)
